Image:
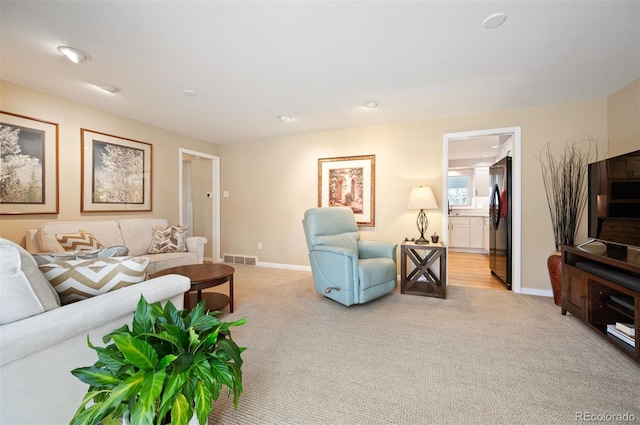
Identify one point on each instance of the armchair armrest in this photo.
(334, 263)
(196, 244)
(377, 249)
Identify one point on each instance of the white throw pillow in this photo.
(47, 296)
(18, 299)
(24, 291)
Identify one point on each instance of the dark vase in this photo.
(554, 264)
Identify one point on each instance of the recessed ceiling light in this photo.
(109, 88)
(371, 105)
(73, 54)
(189, 93)
(494, 21)
(285, 118)
(495, 146)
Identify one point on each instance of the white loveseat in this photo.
(39, 350)
(136, 234)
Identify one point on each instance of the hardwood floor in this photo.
(471, 270)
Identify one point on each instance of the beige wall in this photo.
(201, 170)
(71, 117)
(623, 119)
(272, 182)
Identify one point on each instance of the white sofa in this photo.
(39, 351)
(136, 234)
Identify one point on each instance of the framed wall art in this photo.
(349, 181)
(116, 173)
(29, 165)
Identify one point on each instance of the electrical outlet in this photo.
(259, 245)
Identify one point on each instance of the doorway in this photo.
(199, 188)
(514, 147)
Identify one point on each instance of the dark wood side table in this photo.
(422, 280)
(204, 276)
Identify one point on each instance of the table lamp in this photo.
(422, 198)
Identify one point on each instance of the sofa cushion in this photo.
(106, 231)
(171, 259)
(80, 279)
(138, 233)
(376, 271)
(21, 281)
(168, 239)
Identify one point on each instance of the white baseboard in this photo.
(537, 292)
(284, 266)
(525, 291)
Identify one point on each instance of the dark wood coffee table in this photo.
(204, 276)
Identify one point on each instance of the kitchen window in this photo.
(460, 184)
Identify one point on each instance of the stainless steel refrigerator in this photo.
(500, 216)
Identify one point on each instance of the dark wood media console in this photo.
(601, 286)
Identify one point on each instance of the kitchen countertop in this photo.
(469, 215)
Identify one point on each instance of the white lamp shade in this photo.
(422, 198)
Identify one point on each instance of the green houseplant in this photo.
(169, 366)
(565, 185)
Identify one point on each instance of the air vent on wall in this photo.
(240, 259)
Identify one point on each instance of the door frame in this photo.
(516, 181)
(215, 198)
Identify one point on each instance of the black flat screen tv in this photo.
(614, 200)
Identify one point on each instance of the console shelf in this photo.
(600, 287)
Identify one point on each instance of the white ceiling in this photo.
(479, 147)
(251, 62)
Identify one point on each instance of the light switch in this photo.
(225, 194)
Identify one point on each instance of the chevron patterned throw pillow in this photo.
(78, 241)
(168, 239)
(80, 279)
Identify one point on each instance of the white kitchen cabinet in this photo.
(486, 223)
(459, 232)
(476, 233)
(481, 181)
(468, 233)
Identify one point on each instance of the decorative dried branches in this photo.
(565, 184)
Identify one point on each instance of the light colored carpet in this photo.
(478, 357)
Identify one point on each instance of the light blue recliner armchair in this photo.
(344, 267)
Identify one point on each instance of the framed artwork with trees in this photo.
(116, 173)
(28, 165)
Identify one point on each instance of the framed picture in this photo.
(116, 173)
(349, 181)
(28, 165)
